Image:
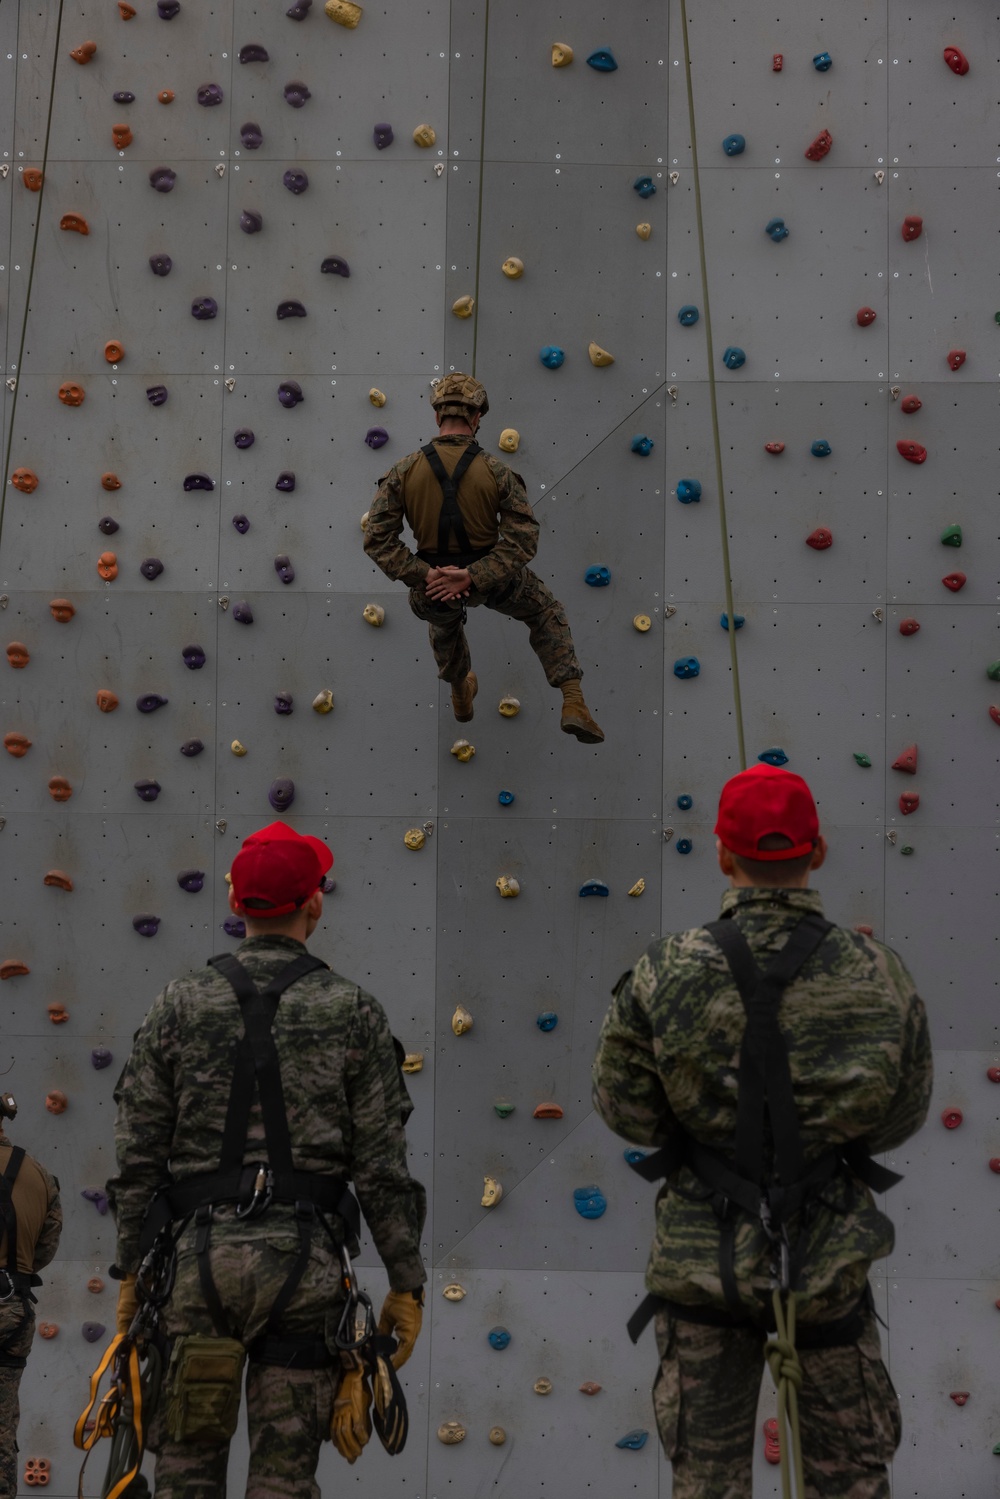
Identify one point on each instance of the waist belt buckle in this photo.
(262, 1190)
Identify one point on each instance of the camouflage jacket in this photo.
(518, 529)
(38, 1212)
(346, 1100)
(860, 1060)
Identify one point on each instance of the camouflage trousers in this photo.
(288, 1410)
(705, 1399)
(16, 1334)
(525, 598)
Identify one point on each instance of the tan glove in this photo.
(402, 1317)
(128, 1304)
(351, 1424)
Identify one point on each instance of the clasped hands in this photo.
(445, 583)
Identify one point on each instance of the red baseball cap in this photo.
(767, 799)
(278, 869)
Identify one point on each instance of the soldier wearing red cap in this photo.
(766, 1056)
(258, 1087)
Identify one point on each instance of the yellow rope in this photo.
(786, 1371)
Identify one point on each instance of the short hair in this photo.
(774, 873)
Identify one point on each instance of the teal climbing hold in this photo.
(505, 798)
(739, 620)
(776, 229)
(597, 577)
(633, 1155)
(644, 186)
(688, 315)
(602, 60)
(688, 491)
(865, 761)
(547, 1020)
(734, 145)
(775, 756)
(594, 887)
(686, 667)
(684, 845)
(590, 1202)
(633, 1440)
(821, 448)
(552, 356)
(499, 1338)
(951, 536)
(685, 801)
(642, 444)
(734, 357)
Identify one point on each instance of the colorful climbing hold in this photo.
(634, 1441)
(956, 358)
(281, 793)
(951, 536)
(688, 491)
(499, 1338)
(461, 1021)
(594, 887)
(509, 707)
(822, 62)
(513, 268)
(909, 626)
(590, 1202)
(952, 1118)
(909, 802)
(820, 448)
(463, 751)
(956, 60)
(865, 316)
(492, 1192)
(685, 801)
(508, 886)
(503, 1109)
(552, 356)
(146, 924)
(597, 576)
(739, 620)
(863, 760)
(644, 186)
(773, 756)
(562, 55)
(820, 147)
(688, 315)
(776, 229)
(376, 437)
(509, 440)
(599, 357)
(820, 539)
(163, 179)
(505, 798)
(907, 760)
(686, 667)
(734, 357)
(910, 404)
(684, 845)
(547, 1020)
(642, 445)
(734, 145)
(602, 60)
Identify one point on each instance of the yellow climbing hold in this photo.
(323, 701)
(642, 623)
(643, 230)
(562, 55)
(344, 12)
(638, 887)
(463, 750)
(513, 267)
(599, 356)
(415, 838)
(364, 521)
(464, 307)
(237, 748)
(413, 1061)
(425, 135)
(461, 1021)
(508, 886)
(542, 1386)
(510, 707)
(376, 396)
(492, 1192)
(374, 614)
(451, 1433)
(453, 1291)
(510, 439)
(497, 1436)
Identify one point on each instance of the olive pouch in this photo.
(204, 1382)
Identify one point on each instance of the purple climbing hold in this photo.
(283, 703)
(150, 701)
(151, 567)
(234, 926)
(191, 880)
(204, 308)
(146, 924)
(335, 265)
(295, 180)
(100, 1201)
(382, 136)
(242, 613)
(241, 523)
(163, 179)
(327, 885)
(251, 222)
(283, 567)
(209, 94)
(148, 791)
(192, 747)
(194, 657)
(198, 481)
(156, 395)
(243, 437)
(281, 794)
(251, 135)
(254, 52)
(100, 1057)
(108, 525)
(167, 9)
(290, 393)
(299, 10)
(93, 1331)
(124, 96)
(376, 437)
(291, 308)
(285, 481)
(296, 94)
(161, 265)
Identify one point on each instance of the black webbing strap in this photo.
(450, 519)
(12, 1281)
(811, 1335)
(8, 1217)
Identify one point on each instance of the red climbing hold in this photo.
(865, 316)
(913, 226)
(959, 1396)
(913, 452)
(995, 1165)
(952, 1118)
(993, 1073)
(772, 1450)
(956, 60)
(820, 539)
(820, 146)
(907, 760)
(909, 802)
(909, 626)
(955, 581)
(995, 714)
(910, 404)
(777, 62)
(866, 931)
(956, 358)
(774, 447)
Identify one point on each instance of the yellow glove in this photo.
(351, 1424)
(402, 1317)
(128, 1305)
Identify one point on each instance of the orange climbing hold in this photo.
(110, 481)
(24, 479)
(907, 760)
(107, 566)
(76, 222)
(48, 1329)
(121, 135)
(13, 969)
(56, 1101)
(32, 179)
(548, 1111)
(58, 879)
(106, 701)
(58, 1014)
(60, 789)
(114, 353)
(72, 394)
(18, 655)
(126, 11)
(17, 745)
(166, 96)
(84, 52)
(37, 1472)
(61, 610)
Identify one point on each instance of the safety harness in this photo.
(13, 1282)
(743, 1182)
(450, 521)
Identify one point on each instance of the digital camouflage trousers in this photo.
(16, 1334)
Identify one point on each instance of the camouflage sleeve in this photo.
(48, 1240)
(518, 541)
(908, 1109)
(144, 1126)
(393, 1203)
(628, 1092)
(382, 533)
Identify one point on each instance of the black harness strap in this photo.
(13, 1281)
(450, 520)
(8, 1217)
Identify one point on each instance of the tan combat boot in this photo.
(576, 717)
(462, 694)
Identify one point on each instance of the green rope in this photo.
(786, 1371)
(723, 522)
(479, 209)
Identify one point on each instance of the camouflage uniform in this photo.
(860, 1062)
(39, 1223)
(346, 1104)
(501, 579)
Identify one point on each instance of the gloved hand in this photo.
(351, 1424)
(402, 1317)
(128, 1304)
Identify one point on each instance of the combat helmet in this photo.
(457, 395)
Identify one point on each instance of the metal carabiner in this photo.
(263, 1183)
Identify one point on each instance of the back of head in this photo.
(768, 822)
(460, 395)
(277, 871)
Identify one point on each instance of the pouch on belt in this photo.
(204, 1382)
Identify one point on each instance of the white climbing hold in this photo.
(508, 886)
(513, 268)
(377, 397)
(510, 707)
(374, 614)
(463, 750)
(492, 1192)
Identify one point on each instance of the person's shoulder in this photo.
(506, 477)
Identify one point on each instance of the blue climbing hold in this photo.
(734, 145)
(688, 491)
(499, 1338)
(688, 315)
(685, 801)
(552, 356)
(505, 798)
(644, 186)
(687, 666)
(821, 448)
(602, 60)
(777, 229)
(597, 577)
(734, 357)
(634, 1155)
(822, 62)
(590, 1202)
(547, 1020)
(642, 445)
(594, 887)
(774, 756)
(739, 620)
(684, 845)
(633, 1440)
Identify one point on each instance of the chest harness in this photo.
(740, 1182)
(13, 1282)
(450, 521)
(254, 1188)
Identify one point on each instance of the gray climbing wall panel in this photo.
(539, 163)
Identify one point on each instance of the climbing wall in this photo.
(226, 233)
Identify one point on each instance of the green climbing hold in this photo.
(951, 536)
(996, 1449)
(907, 848)
(993, 671)
(864, 761)
(503, 1110)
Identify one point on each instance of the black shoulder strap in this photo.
(8, 1217)
(451, 515)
